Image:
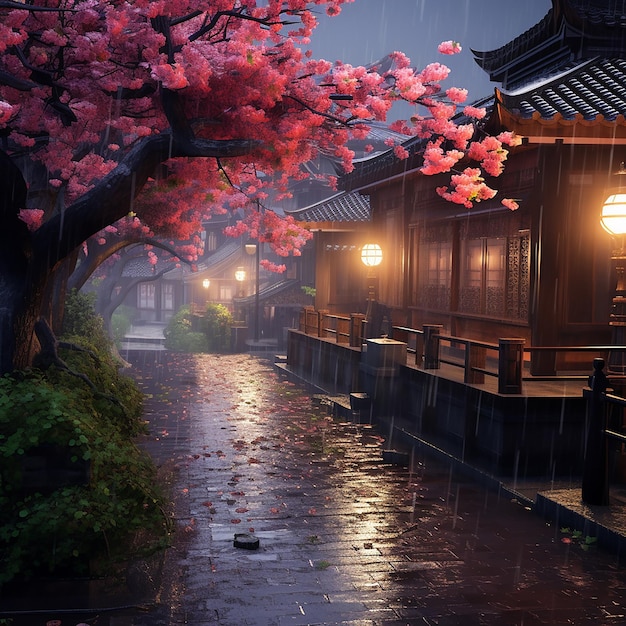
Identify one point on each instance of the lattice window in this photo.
(146, 296)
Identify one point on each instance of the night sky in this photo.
(367, 30)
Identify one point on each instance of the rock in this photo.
(246, 541)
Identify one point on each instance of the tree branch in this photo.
(21, 6)
(328, 116)
(238, 14)
(112, 198)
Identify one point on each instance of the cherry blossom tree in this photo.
(169, 110)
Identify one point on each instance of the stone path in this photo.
(344, 538)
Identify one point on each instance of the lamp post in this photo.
(614, 222)
(206, 283)
(371, 257)
(240, 276)
(252, 248)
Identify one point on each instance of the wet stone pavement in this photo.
(344, 538)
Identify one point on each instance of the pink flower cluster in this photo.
(32, 217)
(449, 47)
(467, 188)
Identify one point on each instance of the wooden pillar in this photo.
(548, 250)
(475, 356)
(431, 346)
(510, 365)
(356, 329)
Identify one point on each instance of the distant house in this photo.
(543, 272)
(226, 275)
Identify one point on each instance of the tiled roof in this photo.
(342, 207)
(493, 60)
(605, 13)
(572, 32)
(589, 90)
(221, 259)
(222, 253)
(140, 267)
(283, 292)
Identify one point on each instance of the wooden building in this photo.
(544, 272)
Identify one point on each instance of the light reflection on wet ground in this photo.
(343, 537)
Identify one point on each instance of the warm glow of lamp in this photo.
(614, 214)
(206, 283)
(371, 255)
(240, 274)
(250, 248)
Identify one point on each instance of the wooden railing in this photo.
(506, 360)
(344, 329)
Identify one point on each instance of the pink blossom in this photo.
(436, 161)
(32, 217)
(449, 47)
(477, 113)
(272, 267)
(467, 188)
(510, 204)
(477, 151)
(6, 110)
(401, 153)
(509, 138)
(434, 72)
(171, 75)
(456, 95)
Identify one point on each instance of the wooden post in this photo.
(475, 356)
(510, 365)
(595, 487)
(431, 346)
(320, 322)
(356, 329)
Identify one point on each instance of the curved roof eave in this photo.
(342, 207)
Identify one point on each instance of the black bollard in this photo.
(595, 488)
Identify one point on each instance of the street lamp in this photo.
(614, 222)
(240, 275)
(371, 257)
(251, 249)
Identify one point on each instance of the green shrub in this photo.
(121, 321)
(216, 325)
(209, 332)
(80, 319)
(66, 526)
(180, 334)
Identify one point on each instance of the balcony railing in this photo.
(505, 360)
